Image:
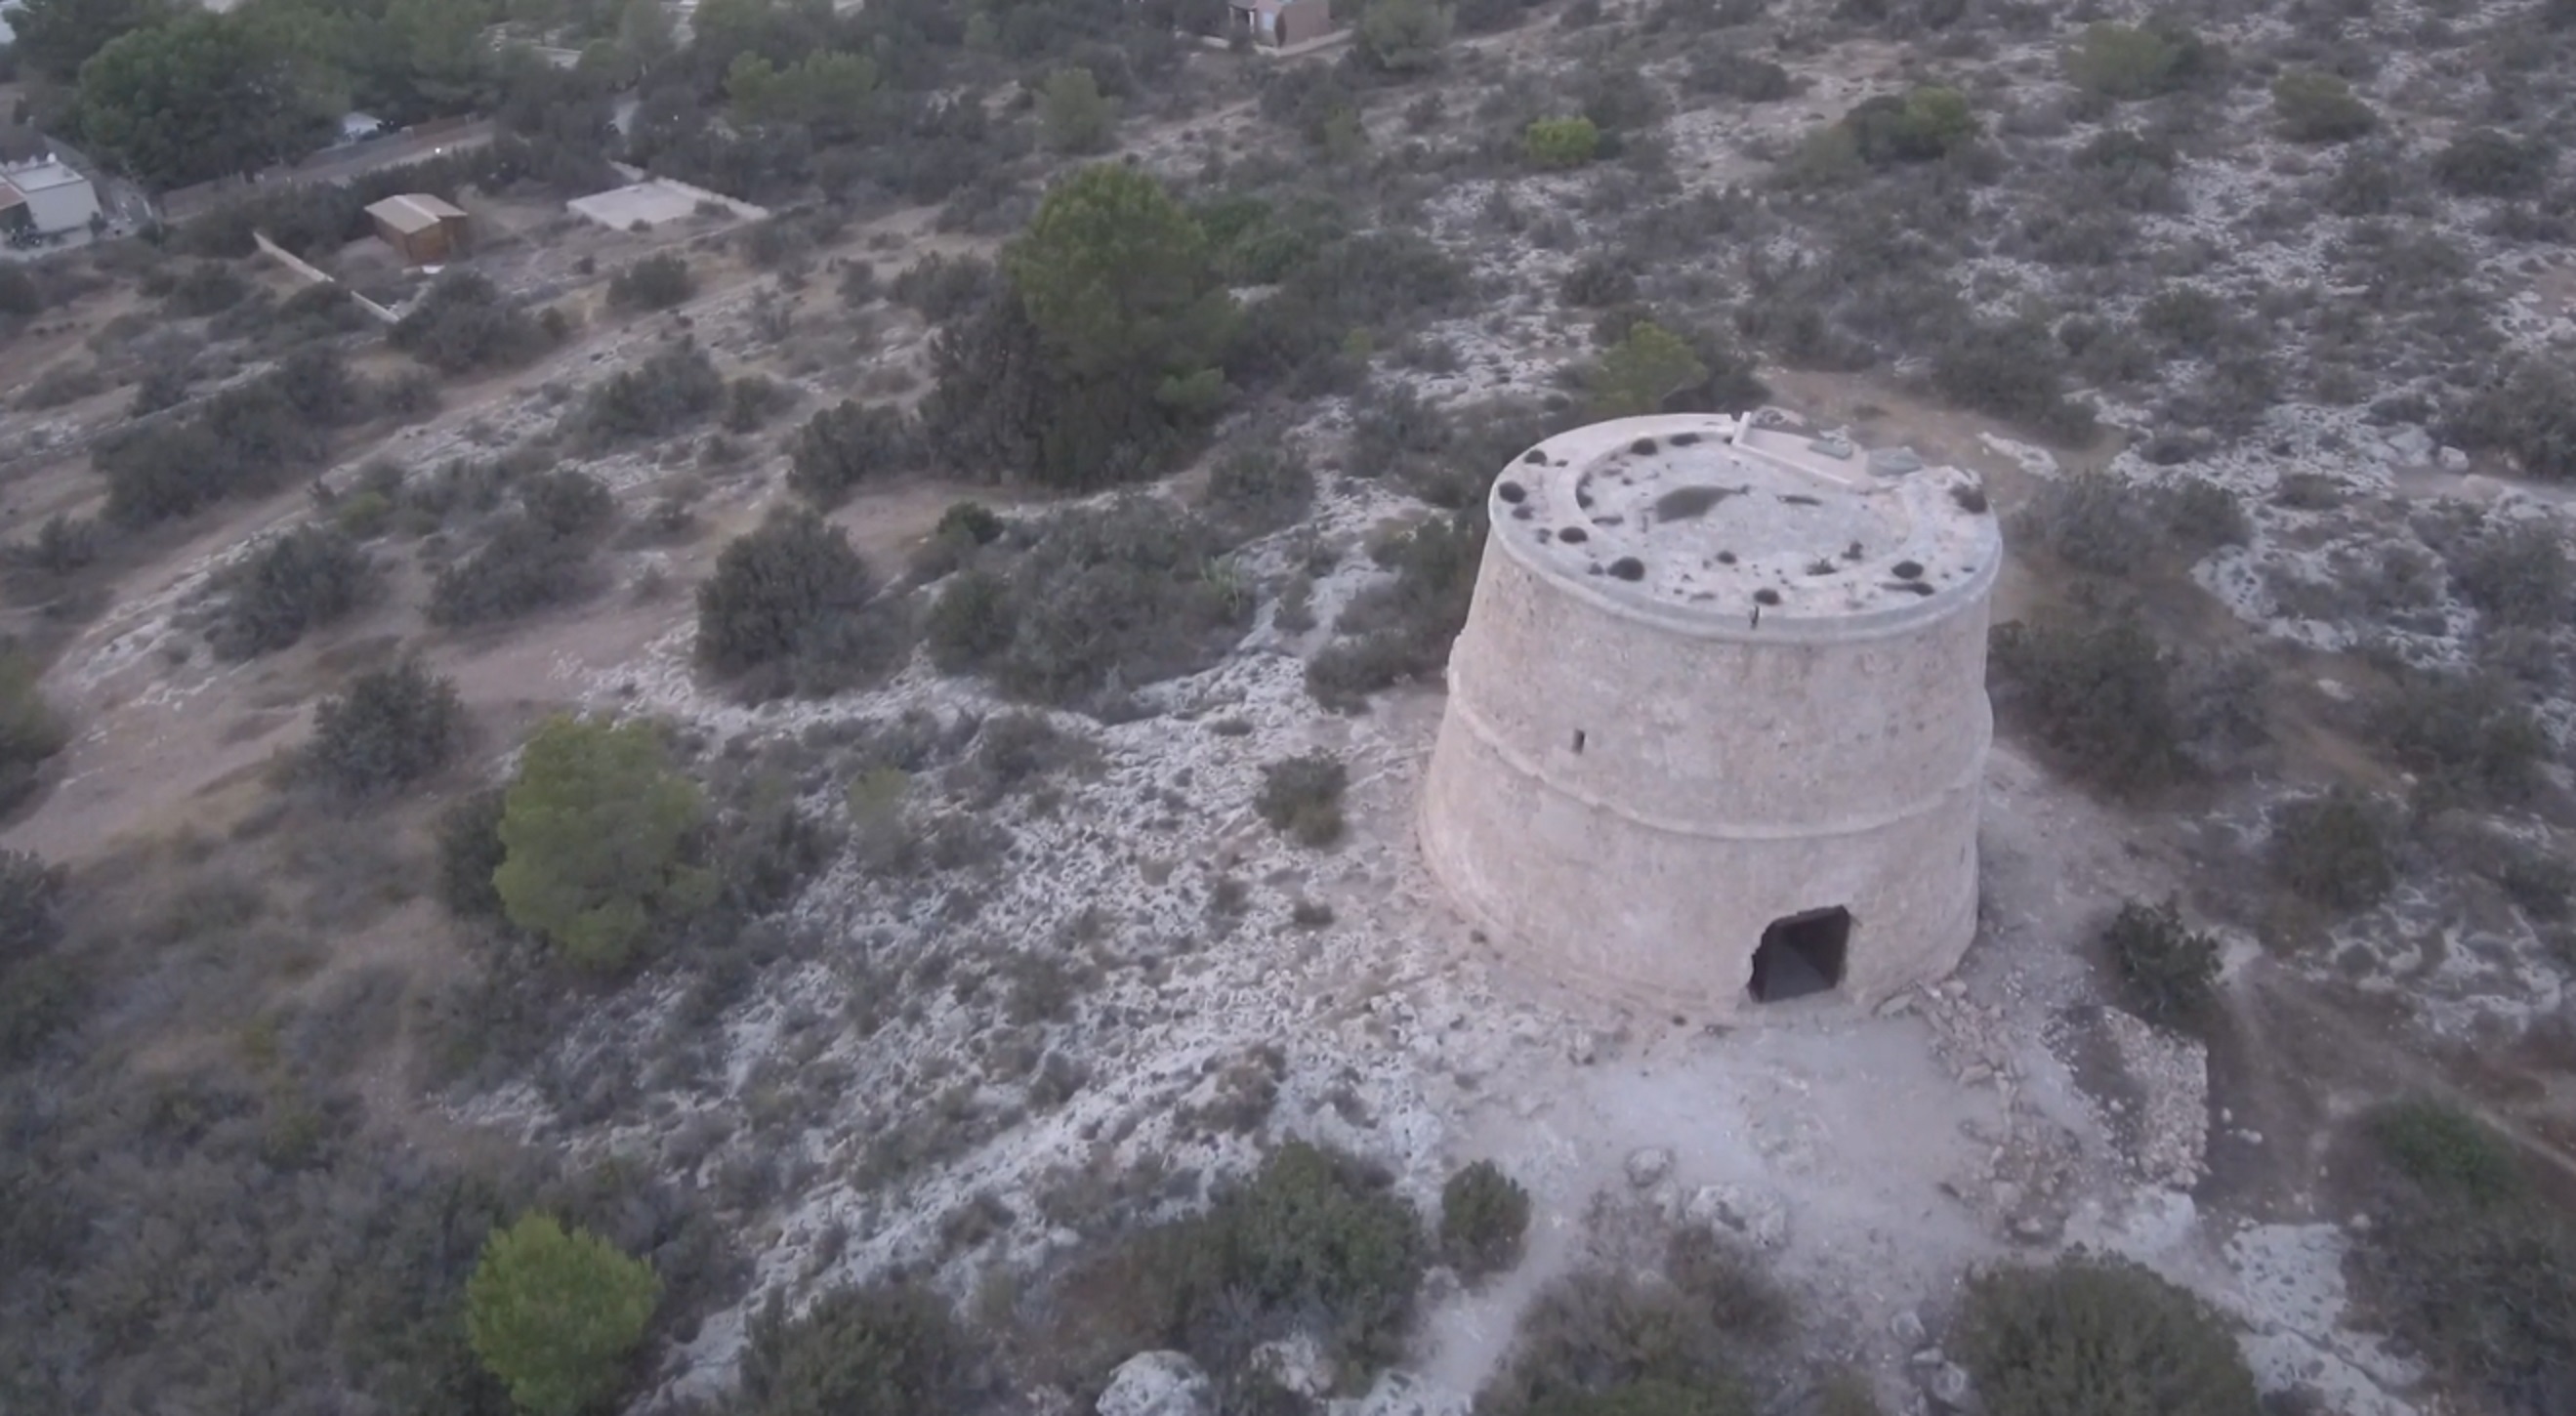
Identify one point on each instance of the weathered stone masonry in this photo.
(1717, 722)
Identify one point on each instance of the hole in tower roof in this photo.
(1643, 447)
(1685, 503)
(1511, 492)
(1628, 568)
(1766, 596)
(1574, 535)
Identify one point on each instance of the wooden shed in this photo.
(424, 228)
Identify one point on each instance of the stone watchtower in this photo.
(1717, 723)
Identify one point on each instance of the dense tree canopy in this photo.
(593, 831)
(1128, 319)
(201, 96)
(554, 1313)
(56, 37)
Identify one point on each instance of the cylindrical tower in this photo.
(1717, 722)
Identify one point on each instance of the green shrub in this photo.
(2010, 371)
(1255, 491)
(2517, 574)
(30, 729)
(2102, 1336)
(1484, 1217)
(2485, 163)
(1623, 1341)
(2334, 850)
(1106, 598)
(776, 590)
(1642, 372)
(2170, 972)
(2466, 1262)
(653, 283)
(300, 580)
(882, 1350)
(567, 503)
(469, 851)
(2098, 696)
(1302, 798)
(1399, 631)
(392, 728)
(1926, 124)
(31, 906)
(972, 622)
(1073, 113)
(1317, 1229)
(463, 322)
(2121, 61)
(676, 387)
(2466, 737)
(848, 444)
(555, 1314)
(523, 568)
(2317, 107)
(2446, 1151)
(593, 834)
(1403, 36)
(1561, 142)
(2093, 520)
(2529, 415)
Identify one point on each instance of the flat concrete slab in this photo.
(620, 208)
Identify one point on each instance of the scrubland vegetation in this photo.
(1227, 350)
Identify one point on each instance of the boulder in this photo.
(1757, 1217)
(1648, 1165)
(1158, 1384)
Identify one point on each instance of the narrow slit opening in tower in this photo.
(1578, 740)
(1801, 954)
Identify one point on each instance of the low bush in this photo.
(296, 581)
(2010, 371)
(469, 850)
(1732, 73)
(881, 1350)
(1642, 372)
(2098, 1335)
(2315, 107)
(752, 400)
(1561, 142)
(1625, 1343)
(524, 567)
(676, 387)
(2530, 416)
(1301, 798)
(1318, 1231)
(2467, 737)
(1484, 1217)
(1254, 491)
(31, 906)
(2334, 849)
(1107, 599)
(776, 591)
(1926, 124)
(2104, 524)
(30, 729)
(2127, 63)
(567, 503)
(2518, 574)
(2097, 695)
(2485, 163)
(1402, 630)
(944, 287)
(392, 728)
(555, 1314)
(463, 323)
(2169, 971)
(246, 439)
(850, 443)
(653, 283)
(2466, 1261)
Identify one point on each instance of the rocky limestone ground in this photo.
(1193, 1016)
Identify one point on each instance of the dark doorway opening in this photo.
(1800, 955)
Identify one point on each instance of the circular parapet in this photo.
(1713, 524)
